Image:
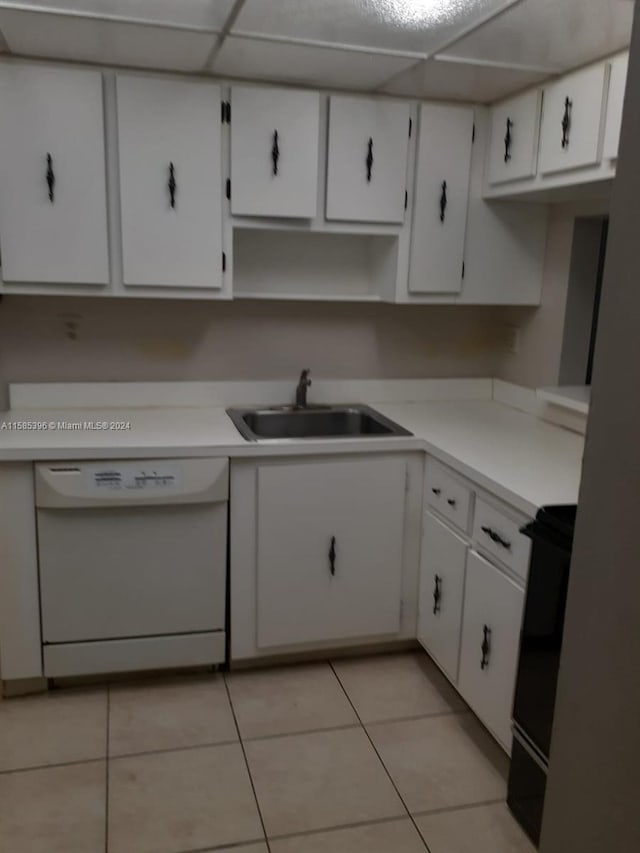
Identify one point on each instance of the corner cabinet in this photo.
(53, 204)
(441, 197)
(367, 159)
(275, 137)
(170, 182)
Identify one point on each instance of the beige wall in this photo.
(537, 361)
(139, 339)
(593, 789)
(167, 340)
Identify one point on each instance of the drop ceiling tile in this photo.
(104, 42)
(296, 63)
(204, 14)
(551, 34)
(458, 81)
(420, 26)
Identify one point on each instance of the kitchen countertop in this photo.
(520, 458)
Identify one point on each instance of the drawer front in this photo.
(498, 535)
(448, 496)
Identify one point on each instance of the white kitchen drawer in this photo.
(448, 495)
(498, 535)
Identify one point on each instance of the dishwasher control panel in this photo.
(132, 477)
(121, 482)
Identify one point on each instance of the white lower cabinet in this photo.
(329, 545)
(440, 599)
(491, 623)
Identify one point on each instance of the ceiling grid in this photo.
(449, 49)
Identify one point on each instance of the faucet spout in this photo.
(301, 391)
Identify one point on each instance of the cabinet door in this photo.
(615, 104)
(441, 590)
(441, 198)
(491, 625)
(53, 210)
(170, 182)
(274, 152)
(329, 550)
(515, 129)
(571, 121)
(367, 160)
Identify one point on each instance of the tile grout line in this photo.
(106, 791)
(246, 761)
(373, 746)
(461, 808)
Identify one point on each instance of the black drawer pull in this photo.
(566, 122)
(485, 647)
(332, 556)
(496, 537)
(452, 502)
(51, 178)
(275, 152)
(443, 200)
(369, 160)
(172, 185)
(437, 492)
(437, 594)
(507, 141)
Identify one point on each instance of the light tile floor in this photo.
(367, 755)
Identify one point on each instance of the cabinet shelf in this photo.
(271, 264)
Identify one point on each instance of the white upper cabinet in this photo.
(367, 159)
(330, 540)
(170, 182)
(275, 137)
(515, 129)
(441, 198)
(572, 120)
(53, 213)
(615, 103)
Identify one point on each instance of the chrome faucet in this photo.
(301, 391)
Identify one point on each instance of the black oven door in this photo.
(541, 640)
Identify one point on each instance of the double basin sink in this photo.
(278, 422)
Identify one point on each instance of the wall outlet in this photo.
(513, 339)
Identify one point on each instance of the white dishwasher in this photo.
(133, 564)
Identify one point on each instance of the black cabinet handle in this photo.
(51, 178)
(485, 647)
(507, 141)
(436, 491)
(496, 537)
(332, 556)
(452, 502)
(173, 186)
(566, 122)
(443, 200)
(437, 594)
(275, 152)
(369, 160)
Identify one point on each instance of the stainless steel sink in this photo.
(351, 421)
